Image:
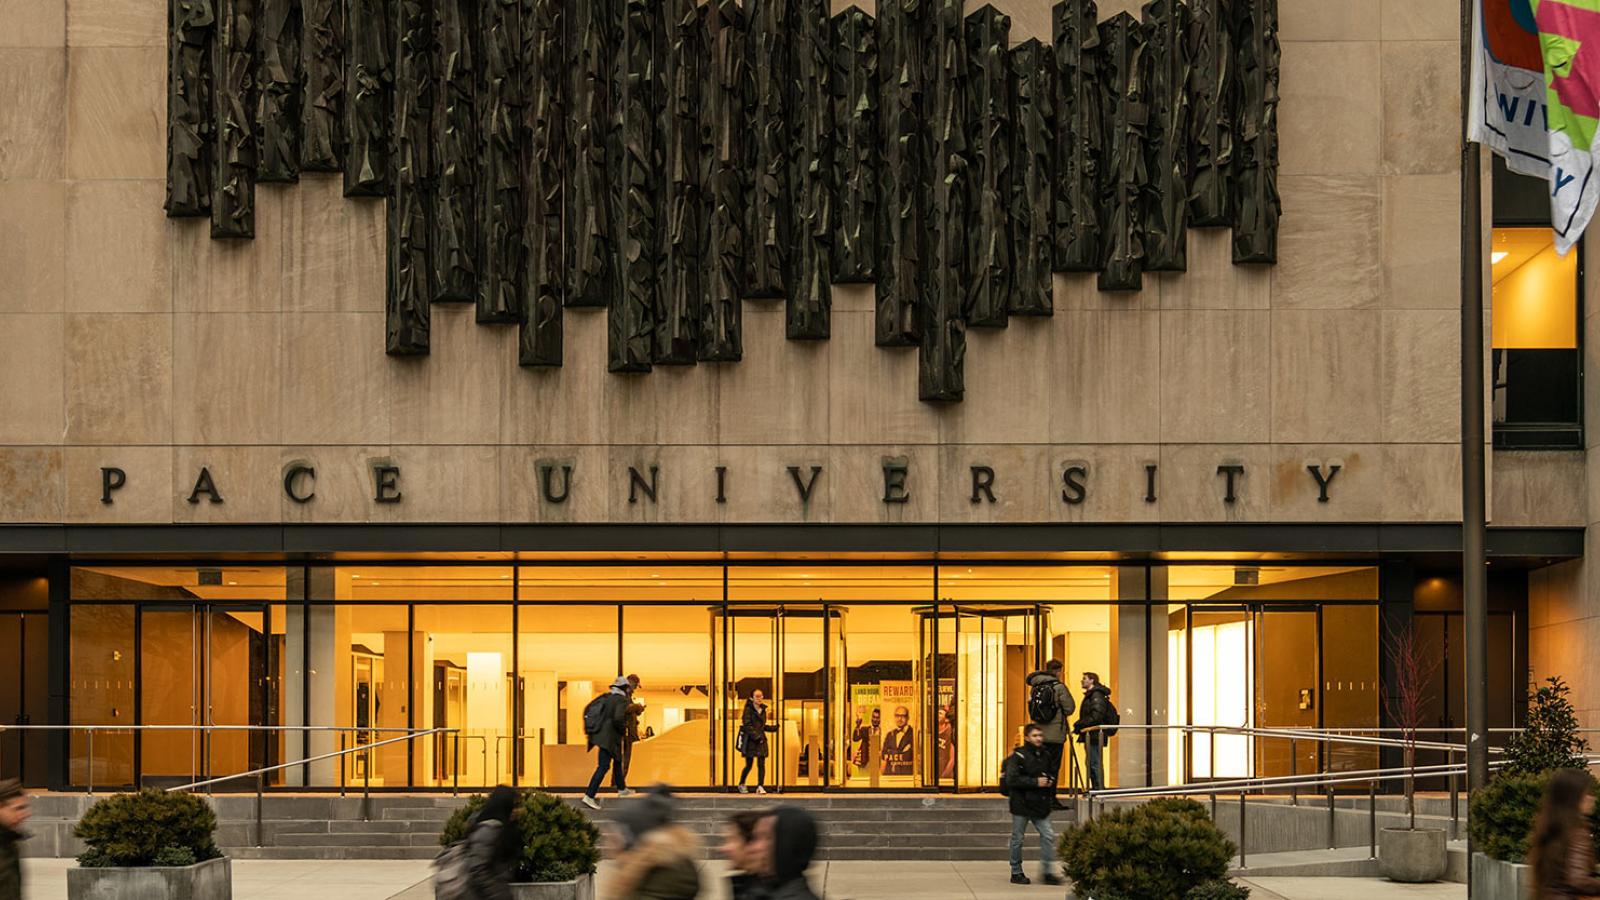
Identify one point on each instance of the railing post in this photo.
(455, 765)
(1242, 832)
(541, 757)
(1213, 806)
(90, 761)
(1372, 819)
(342, 760)
(260, 782)
(1332, 825)
(1455, 798)
(1294, 770)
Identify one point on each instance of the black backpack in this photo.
(1113, 719)
(1005, 789)
(1042, 706)
(594, 716)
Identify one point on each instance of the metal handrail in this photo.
(1265, 782)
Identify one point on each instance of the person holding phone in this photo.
(1030, 786)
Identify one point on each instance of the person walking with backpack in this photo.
(1050, 707)
(604, 721)
(482, 865)
(1030, 787)
(753, 730)
(1097, 719)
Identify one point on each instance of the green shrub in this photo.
(149, 828)
(1160, 850)
(1550, 740)
(1500, 815)
(558, 842)
(1220, 889)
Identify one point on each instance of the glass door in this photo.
(170, 641)
(1217, 690)
(24, 695)
(982, 655)
(237, 673)
(1287, 677)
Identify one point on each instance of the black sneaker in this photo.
(1019, 878)
(1054, 879)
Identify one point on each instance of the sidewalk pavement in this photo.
(46, 879)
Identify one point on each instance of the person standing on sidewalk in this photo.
(14, 814)
(1030, 790)
(753, 729)
(1096, 717)
(1050, 706)
(603, 721)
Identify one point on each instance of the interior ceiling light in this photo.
(1495, 257)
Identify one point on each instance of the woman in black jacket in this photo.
(753, 729)
(494, 842)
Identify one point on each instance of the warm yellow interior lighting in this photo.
(1535, 292)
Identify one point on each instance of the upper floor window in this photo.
(1537, 355)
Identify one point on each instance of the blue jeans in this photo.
(1047, 843)
(1094, 760)
(619, 778)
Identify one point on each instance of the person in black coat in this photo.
(787, 838)
(13, 816)
(608, 739)
(1095, 712)
(1030, 787)
(753, 730)
(494, 845)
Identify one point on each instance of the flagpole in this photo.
(1473, 562)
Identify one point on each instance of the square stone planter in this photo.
(210, 880)
(1496, 880)
(1412, 855)
(580, 889)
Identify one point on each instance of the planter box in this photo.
(1496, 880)
(210, 880)
(1412, 856)
(581, 889)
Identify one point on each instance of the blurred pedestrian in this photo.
(14, 812)
(738, 848)
(655, 856)
(1561, 850)
(1029, 783)
(786, 839)
(482, 865)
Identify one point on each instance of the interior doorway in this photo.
(24, 695)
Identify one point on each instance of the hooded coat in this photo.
(613, 720)
(753, 728)
(494, 846)
(794, 842)
(1021, 772)
(1096, 710)
(658, 859)
(1055, 730)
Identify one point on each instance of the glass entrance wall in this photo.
(878, 675)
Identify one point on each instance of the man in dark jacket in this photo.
(607, 738)
(13, 815)
(1056, 731)
(1096, 711)
(786, 840)
(1031, 787)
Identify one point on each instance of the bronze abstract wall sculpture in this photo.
(669, 159)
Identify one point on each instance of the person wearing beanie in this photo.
(604, 721)
(655, 856)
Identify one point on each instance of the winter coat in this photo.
(1578, 878)
(490, 871)
(745, 886)
(753, 726)
(794, 843)
(1055, 730)
(659, 866)
(1096, 710)
(1021, 774)
(10, 864)
(612, 724)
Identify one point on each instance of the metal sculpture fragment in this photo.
(724, 105)
(189, 112)
(1165, 201)
(409, 287)
(860, 152)
(770, 46)
(904, 29)
(1213, 92)
(593, 217)
(808, 309)
(630, 319)
(278, 118)
(539, 333)
(1124, 173)
(322, 97)
(990, 101)
(1255, 173)
(942, 354)
(368, 82)
(682, 227)
(457, 219)
(1028, 189)
(1080, 137)
(502, 114)
(233, 186)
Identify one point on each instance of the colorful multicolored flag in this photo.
(1536, 77)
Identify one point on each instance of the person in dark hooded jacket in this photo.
(1057, 731)
(655, 856)
(789, 838)
(1094, 713)
(494, 845)
(1030, 787)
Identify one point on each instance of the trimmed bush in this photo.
(1161, 850)
(1500, 816)
(149, 828)
(558, 842)
(1221, 889)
